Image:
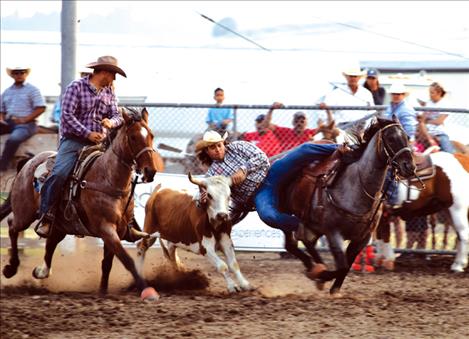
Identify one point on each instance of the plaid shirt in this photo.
(83, 108)
(245, 155)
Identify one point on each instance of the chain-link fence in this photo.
(177, 128)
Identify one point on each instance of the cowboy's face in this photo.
(216, 151)
(260, 126)
(352, 80)
(108, 78)
(19, 75)
(397, 97)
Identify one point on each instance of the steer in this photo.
(179, 220)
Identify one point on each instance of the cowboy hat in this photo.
(12, 69)
(209, 138)
(107, 63)
(354, 71)
(397, 88)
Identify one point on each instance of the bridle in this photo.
(388, 151)
(391, 156)
(136, 156)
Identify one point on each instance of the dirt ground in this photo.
(419, 299)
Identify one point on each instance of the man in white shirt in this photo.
(350, 95)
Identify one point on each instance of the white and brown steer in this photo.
(176, 218)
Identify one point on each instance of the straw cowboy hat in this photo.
(107, 63)
(209, 138)
(398, 88)
(353, 71)
(10, 70)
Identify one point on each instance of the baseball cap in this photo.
(260, 117)
(372, 72)
(299, 115)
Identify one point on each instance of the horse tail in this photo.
(5, 208)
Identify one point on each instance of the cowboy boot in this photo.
(44, 225)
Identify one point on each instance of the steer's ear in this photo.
(229, 181)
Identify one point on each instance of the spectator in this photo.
(351, 95)
(21, 104)
(263, 137)
(435, 120)
(372, 84)
(219, 118)
(408, 119)
(290, 137)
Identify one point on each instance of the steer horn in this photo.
(197, 182)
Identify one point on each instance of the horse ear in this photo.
(145, 114)
(126, 117)
(394, 118)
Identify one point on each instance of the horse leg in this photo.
(432, 219)
(352, 251)
(12, 267)
(311, 248)
(335, 245)
(56, 236)
(106, 265)
(291, 245)
(112, 241)
(461, 226)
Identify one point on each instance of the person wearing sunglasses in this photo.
(20, 105)
(289, 137)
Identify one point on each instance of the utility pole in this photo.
(68, 24)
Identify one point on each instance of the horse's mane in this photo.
(368, 134)
(133, 114)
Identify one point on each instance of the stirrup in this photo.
(44, 225)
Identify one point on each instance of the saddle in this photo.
(424, 167)
(312, 184)
(67, 210)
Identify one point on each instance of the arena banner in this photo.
(251, 234)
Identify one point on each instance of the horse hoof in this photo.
(320, 285)
(314, 273)
(388, 265)
(9, 271)
(336, 294)
(40, 273)
(149, 294)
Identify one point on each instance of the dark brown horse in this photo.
(102, 204)
(347, 208)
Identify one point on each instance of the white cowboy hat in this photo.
(107, 63)
(210, 138)
(354, 71)
(10, 70)
(398, 88)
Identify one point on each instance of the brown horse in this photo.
(104, 204)
(347, 207)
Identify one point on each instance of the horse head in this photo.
(394, 145)
(139, 139)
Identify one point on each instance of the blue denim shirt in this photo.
(406, 115)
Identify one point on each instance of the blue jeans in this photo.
(280, 173)
(445, 143)
(67, 156)
(18, 134)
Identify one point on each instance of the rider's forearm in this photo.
(34, 114)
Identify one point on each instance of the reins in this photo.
(390, 161)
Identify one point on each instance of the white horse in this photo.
(446, 189)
